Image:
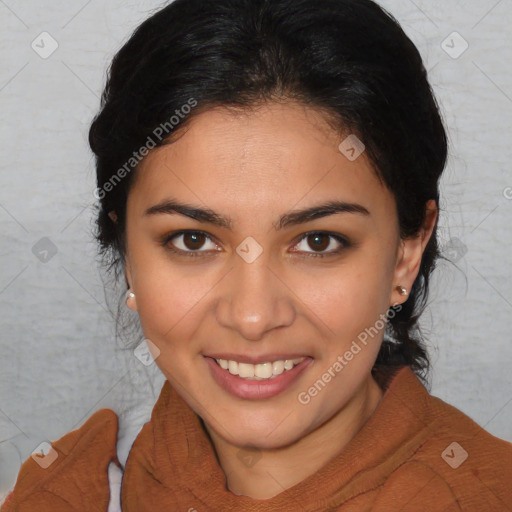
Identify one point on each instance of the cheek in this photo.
(169, 301)
(165, 292)
(170, 305)
(346, 299)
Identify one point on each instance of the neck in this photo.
(282, 468)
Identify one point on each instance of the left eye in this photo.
(321, 241)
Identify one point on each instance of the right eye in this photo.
(191, 241)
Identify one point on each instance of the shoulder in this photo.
(456, 465)
(475, 464)
(71, 472)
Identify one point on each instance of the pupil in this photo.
(196, 240)
(319, 246)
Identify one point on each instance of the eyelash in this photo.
(194, 254)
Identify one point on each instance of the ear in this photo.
(131, 302)
(410, 253)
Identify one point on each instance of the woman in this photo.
(268, 184)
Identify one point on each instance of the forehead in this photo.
(269, 156)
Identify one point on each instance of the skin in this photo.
(253, 167)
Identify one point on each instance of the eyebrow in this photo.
(292, 218)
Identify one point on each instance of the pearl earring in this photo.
(401, 290)
(129, 295)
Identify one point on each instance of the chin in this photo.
(262, 438)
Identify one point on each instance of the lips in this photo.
(256, 389)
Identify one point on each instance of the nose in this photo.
(254, 299)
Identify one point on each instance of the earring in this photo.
(401, 290)
(129, 295)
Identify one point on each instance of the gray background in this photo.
(59, 358)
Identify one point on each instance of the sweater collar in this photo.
(174, 460)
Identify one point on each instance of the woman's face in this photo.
(255, 281)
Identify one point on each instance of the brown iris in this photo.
(193, 241)
(318, 245)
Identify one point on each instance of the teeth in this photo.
(262, 371)
(233, 367)
(246, 370)
(277, 367)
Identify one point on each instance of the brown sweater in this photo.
(416, 453)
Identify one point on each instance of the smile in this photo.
(263, 383)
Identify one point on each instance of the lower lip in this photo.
(256, 389)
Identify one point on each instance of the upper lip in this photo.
(265, 358)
